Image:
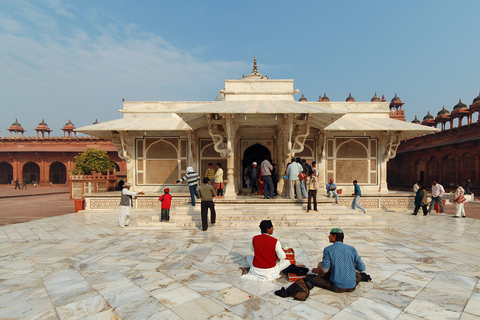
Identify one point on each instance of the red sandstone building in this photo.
(451, 155)
(44, 159)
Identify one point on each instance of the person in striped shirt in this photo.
(192, 180)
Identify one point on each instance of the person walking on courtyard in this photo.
(207, 193)
(210, 173)
(420, 199)
(312, 184)
(357, 194)
(218, 185)
(337, 271)
(166, 200)
(17, 184)
(192, 181)
(293, 170)
(437, 195)
(266, 249)
(267, 168)
(24, 183)
(126, 203)
(332, 190)
(459, 201)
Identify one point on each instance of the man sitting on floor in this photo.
(337, 270)
(263, 265)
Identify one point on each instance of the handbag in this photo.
(302, 176)
(460, 199)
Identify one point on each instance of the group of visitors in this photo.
(215, 178)
(336, 272)
(263, 179)
(24, 184)
(438, 191)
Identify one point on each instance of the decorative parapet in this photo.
(94, 183)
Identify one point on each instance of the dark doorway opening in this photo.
(31, 172)
(58, 173)
(6, 173)
(256, 153)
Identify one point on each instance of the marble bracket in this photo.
(392, 146)
(121, 143)
(303, 130)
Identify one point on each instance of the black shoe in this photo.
(464, 216)
(425, 214)
(455, 217)
(413, 214)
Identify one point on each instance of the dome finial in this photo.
(255, 70)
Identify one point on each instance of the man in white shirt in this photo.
(437, 194)
(263, 265)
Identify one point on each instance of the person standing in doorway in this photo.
(267, 168)
(207, 193)
(437, 195)
(357, 194)
(218, 185)
(210, 173)
(253, 173)
(192, 180)
(126, 203)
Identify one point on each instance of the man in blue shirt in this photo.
(356, 197)
(337, 270)
(332, 190)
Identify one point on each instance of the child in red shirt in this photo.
(166, 200)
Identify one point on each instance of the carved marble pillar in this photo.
(321, 167)
(230, 192)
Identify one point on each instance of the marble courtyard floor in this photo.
(82, 266)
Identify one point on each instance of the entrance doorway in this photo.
(256, 153)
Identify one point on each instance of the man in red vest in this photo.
(267, 249)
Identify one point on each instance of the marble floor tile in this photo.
(147, 308)
(177, 296)
(82, 308)
(370, 309)
(198, 309)
(473, 307)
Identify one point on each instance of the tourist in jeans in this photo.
(437, 195)
(312, 184)
(337, 271)
(332, 190)
(192, 181)
(266, 168)
(357, 194)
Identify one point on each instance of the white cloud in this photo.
(56, 71)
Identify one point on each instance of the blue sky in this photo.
(62, 60)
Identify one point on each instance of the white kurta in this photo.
(124, 215)
(259, 274)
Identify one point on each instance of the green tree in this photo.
(92, 160)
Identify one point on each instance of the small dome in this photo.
(428, 116)
(443, 112)
(96, 121)
(16, 126)
(319, 98)
(375, 98)
(350, 98)
(69, 125)
(460, 105)
(302, 99)
(396, 99)
(416, 120)
(477, 98)
(325, 98)
(42, 126)
(383, 98)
